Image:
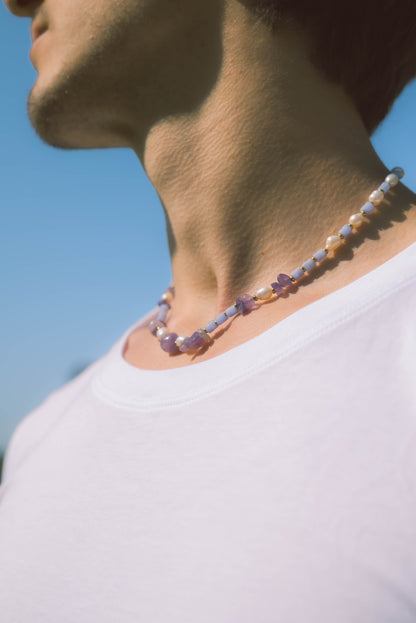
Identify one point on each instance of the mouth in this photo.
(37, 29)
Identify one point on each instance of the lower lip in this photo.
(35, 43)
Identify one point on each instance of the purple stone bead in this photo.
(367, 207)
(193, 343)
(277, 287)
(221, 318)
(154, 325)
(320, 255)
(241, 306)
(385, 187)
(345, 230)
(245, 303)
(231, 311)
(167, 343)
(211, 326)
(249, 302)
(284, 280)
(297, 273)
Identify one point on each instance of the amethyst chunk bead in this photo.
(284, 280)
(276, 287)
(196, 341)
(245, 303)
(167, 344)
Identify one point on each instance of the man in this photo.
(264, 471)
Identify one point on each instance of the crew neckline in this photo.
(118, 382)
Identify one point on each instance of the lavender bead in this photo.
(320, 255)
(367, 207)
(221, 318)
(309, 264)
(284, 280)
(211, 326)
(385, 187)
(276, 287)
(345, 230)
(297, 273)
(231, 311)
(167, 343)
(162, 303)
(162, 313)
(154, 325)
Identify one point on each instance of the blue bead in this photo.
(309, 264)
(320, 255)
(385, 187)
(231, 311)
(221, 318)
(367, 207)
(211, 326)
(297, 273)
(345, 230)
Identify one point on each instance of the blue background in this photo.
(83, 251)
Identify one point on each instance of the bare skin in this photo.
(256, 157)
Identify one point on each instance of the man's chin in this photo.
(63, 119)
(46, 113)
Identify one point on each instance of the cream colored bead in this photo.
(167, 296)
(332, 242)
(392, 179)
(356, 219)
(376, 197)
(180, 340)
(264, 293)
(161, 333)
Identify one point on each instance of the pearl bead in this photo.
(161, 332)
(356, 219)
(332, 242)
(392, 179)
(264, 293)
(376, 197)
(180, 340)
(167, 296)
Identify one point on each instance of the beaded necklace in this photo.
(172, 343)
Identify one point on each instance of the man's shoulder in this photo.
(36, 424)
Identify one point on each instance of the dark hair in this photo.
(368, 46)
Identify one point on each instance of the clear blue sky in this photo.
(83, 252)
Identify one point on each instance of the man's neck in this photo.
(255, 179)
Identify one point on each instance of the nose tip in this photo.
(22, 8)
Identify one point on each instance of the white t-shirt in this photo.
(275, 483)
